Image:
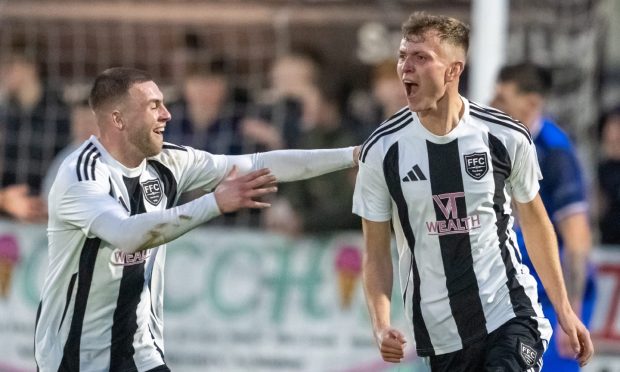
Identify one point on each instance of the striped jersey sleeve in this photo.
(371, 197)
(498, 118)
(192, 168)
(81, 190)
(526, 173)
(395, 123)
(525, 167)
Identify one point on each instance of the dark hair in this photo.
(113, 84)
(450, 30)
(529, 77)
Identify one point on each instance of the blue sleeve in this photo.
(564, 180)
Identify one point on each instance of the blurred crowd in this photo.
(300, 108)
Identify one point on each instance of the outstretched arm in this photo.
(295, 165)
(377, 277)
(541, 244)
(150, 229)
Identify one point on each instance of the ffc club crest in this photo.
(476, 164)
(152, 191)
(528, 354)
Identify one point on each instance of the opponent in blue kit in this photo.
(521, 91)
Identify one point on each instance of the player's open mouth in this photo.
(409, 86)
(159, 131)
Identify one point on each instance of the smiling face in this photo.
(145, 117)
(427, 67)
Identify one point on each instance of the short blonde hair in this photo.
(449, 29)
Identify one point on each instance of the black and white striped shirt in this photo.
(102, 300)
(449, 200)
(101, 307)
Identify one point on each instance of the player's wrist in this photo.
(576, 306)
(564, 310)
(380, 330)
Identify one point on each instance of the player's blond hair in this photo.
(448, 29)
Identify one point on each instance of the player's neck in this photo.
(445, 116)
(124, 153)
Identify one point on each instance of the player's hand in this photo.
(17, 202)
(237, 192)
(578, 337)
(562, 343)
(391, 344)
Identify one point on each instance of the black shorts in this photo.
(515, 346)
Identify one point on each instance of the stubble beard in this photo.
(147, 145)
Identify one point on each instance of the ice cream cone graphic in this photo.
(349, 267)
(9, 256)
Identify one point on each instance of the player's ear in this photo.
(117, 120)
(454, 71)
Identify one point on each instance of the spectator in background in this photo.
(322, 204)
(34, 127)
(609, 178)
(386, 97)
(206, 117)
(294, 73)
(276, 121)
(387, 89)
(17, 203)
(521, 91)
(83, 125)
(301, 110)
